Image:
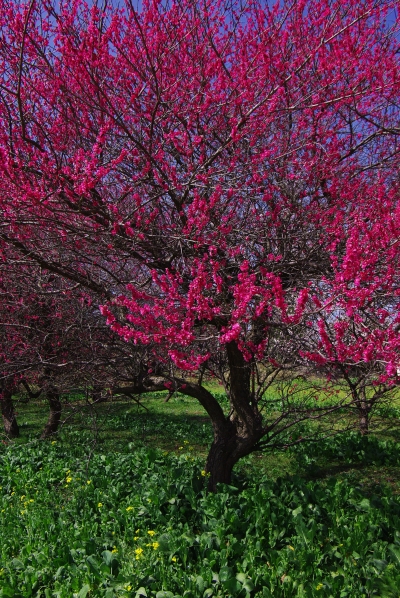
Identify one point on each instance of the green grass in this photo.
(321, 519)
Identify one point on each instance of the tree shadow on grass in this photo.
(368, 462)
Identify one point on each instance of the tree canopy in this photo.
(223, 176)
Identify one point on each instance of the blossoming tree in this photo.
(209, 169)
(53, 340)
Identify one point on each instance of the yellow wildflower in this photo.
(186, 442)
(291, 547)
(54, 442)
(129, 509)
(69, 479)
(100, 504)
(136, 538)
(128, 588)
(155, 545)
(114, 550)
(319, 586)
(89, 482)
(151, 533)
(174, 559)
(22, 497)
(137, 531)
(203, 473)
(138, 553)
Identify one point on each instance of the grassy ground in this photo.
(122, 425)
(116, 506)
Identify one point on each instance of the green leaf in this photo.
(395, 552)
(141, 592)
(248, 585)
(17, 564)
(232, 585)
(364, 505)
(379, 564)
(59, 572)
(165, 543)
(225, 574)
(84, 591)
(164, 594)
(94, 567)
(200, 583)
(107, 557)
(8, 591)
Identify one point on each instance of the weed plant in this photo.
(142, 524)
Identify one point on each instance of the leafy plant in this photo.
(143, 524)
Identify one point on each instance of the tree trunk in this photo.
(7, 411)
(364, 408)
(363, 420)
(241, 430)
(228, 447)
(53, 421)
(170, 394)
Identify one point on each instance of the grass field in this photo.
(117, 505)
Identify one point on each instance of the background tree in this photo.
(204, 170)
(54, 341)
(354, 332)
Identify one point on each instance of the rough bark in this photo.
(364, 407)
(228, 447)
(11, 428)
(363, 421)
(53, 421)
(241, 430)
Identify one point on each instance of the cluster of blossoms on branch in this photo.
(208, 170)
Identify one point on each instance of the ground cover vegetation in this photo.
(126, 512)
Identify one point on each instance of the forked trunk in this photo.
(228, 447)
(237, 434)
(241, 430)
(53, 421)
(11, 428)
